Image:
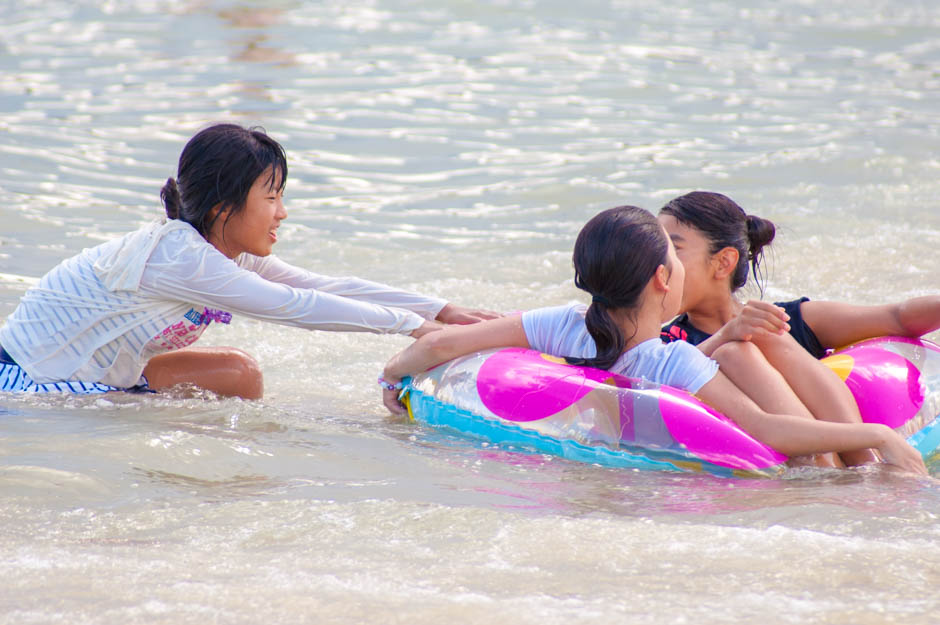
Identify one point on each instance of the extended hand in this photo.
(426, 328)
(452, 313)
(390, 399)
(390, 396)
(898, 452)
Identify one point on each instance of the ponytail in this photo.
(170, 196)
(607, 337)
(615, 256)
(760, 232)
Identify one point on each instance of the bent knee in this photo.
(247, 379)
(223, 370)
(240, 357)
(776, 343)
(737, 353)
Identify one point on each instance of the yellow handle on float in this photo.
(406, 402)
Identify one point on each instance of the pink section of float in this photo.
(886, 376)
(887, 386)
(717, 439)
(520, 385)
(523, 386)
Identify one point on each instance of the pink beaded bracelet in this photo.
(388, 386)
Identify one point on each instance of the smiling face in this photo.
(693, 250)
(254, 228)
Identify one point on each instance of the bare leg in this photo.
(819, 388)
(223, 370)
(744, 364)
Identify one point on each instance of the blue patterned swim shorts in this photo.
(14, 380)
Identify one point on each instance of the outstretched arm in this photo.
(447, 344)
(794, 436)
(276, 270)
(837, 324)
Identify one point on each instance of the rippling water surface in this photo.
(456, 148)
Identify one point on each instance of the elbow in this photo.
(902, 322)
(916, 317)
(426, 352)
(738, 355)
(907, 326)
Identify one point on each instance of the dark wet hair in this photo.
(615, 256)
(725, 224)
(218, 166)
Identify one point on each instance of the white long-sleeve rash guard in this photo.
(101, 315)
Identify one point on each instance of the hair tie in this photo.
(600, 299)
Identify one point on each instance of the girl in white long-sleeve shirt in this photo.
(117, 315)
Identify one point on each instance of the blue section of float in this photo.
(430, 411)
(927, 439)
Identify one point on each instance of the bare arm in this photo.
(757, 319)
(447, 344)
(837, 324)
(794, 436)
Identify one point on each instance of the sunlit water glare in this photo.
(456, 148)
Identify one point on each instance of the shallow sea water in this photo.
(456, 148)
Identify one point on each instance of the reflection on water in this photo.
(254, 46)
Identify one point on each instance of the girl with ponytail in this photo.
(719, 245)
(625, 261)
(123, 315)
